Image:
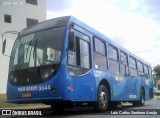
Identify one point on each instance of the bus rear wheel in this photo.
(102, 99)
(113, 105)
(141, 102)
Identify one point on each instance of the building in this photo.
(16, 15)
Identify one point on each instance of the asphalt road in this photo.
(88, 112)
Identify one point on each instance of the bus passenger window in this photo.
(124, 64)
(150, 72)
(146, 71)
(100, 61)
(99, 46)
(78, 53)
(140, 69)
(133, 67)
(113, 60)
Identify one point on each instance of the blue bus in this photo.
(63, 62)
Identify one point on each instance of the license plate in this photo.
(27, 95)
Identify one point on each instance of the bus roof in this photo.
(56, 22)
(66, 20)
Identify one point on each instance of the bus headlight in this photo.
(12, 78)
(47, 72)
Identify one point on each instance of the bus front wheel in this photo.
(57, 108)
(102, 99)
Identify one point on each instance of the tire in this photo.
(57, 108)
(141, 102)
(102, 99)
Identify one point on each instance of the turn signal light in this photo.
(71, 89)
(54, 91)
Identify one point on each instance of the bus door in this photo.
(79, 64)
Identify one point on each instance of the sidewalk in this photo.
(29, 107)
(157, 97)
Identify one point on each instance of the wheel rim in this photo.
(103, 99)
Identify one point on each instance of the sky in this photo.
(134, 24)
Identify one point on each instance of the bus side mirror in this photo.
(4, 46)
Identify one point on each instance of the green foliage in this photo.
(156, 71)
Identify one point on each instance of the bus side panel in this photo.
(124, 88)
(119, 86)
(84, 87)
(139, 83)
(148, 85)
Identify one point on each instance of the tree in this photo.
(156, 71)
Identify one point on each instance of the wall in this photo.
(19, 11)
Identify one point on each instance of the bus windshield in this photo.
(37, 49)
(37, 54)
